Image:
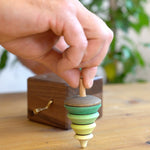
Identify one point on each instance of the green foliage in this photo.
(121, 15)
(3, 59)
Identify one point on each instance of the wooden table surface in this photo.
(125, 124)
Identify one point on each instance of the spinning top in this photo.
(83, 111)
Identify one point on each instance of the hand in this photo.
(60, 34)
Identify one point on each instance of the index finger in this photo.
(74, 36)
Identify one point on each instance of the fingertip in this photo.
(89, 83)
(72, 77)
(88, 76)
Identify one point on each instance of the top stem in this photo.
(82, 89)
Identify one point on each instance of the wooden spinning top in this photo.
(83, 111)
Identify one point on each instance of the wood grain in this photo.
(125, 124)
(77, 101)
(82, 89)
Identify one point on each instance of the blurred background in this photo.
(128, 59)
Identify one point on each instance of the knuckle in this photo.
(69, 6)
(110, 35)
(82, 45)
(106, 36)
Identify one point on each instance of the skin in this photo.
(55, 35)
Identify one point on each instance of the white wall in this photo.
(14, 77)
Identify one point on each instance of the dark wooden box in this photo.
(43, 88)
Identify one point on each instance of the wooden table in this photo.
(125, 124)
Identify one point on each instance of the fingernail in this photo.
(90, 83)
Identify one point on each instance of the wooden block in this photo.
(43, 88)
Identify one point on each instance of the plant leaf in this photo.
(139, 58)
(3, 59)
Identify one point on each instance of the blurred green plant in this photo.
(3, 59)
(121, 15)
